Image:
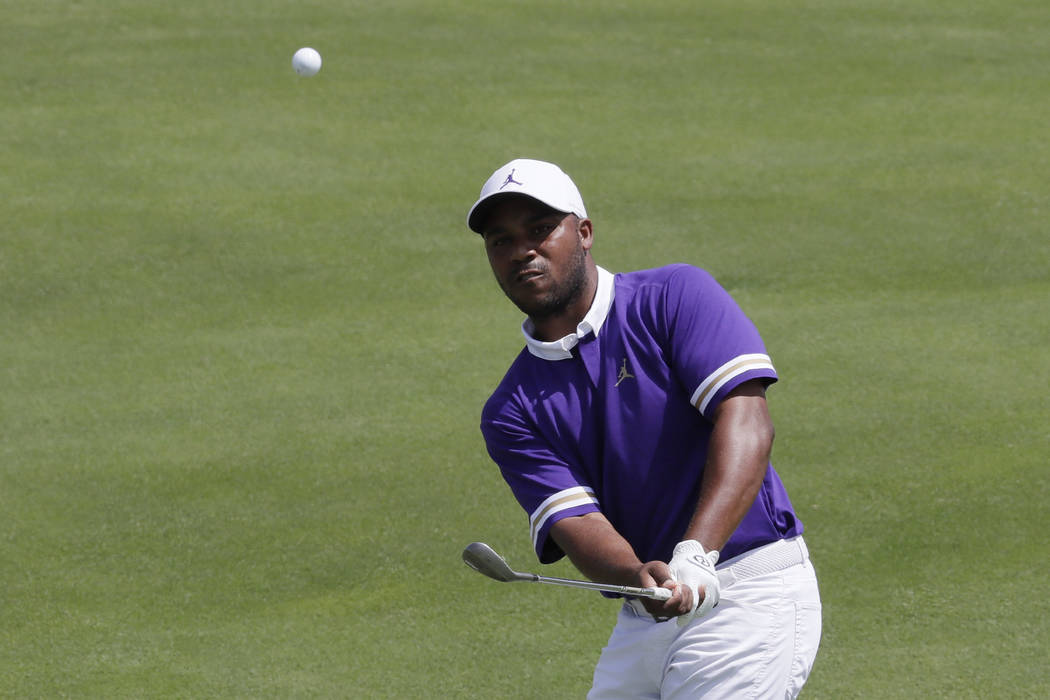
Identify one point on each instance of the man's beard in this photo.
(561, 295)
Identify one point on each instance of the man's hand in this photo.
(694, 568)
(657, 573)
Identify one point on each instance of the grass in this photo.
(245, 336)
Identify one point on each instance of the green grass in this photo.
(245, 335)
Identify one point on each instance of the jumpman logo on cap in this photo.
(510, 180)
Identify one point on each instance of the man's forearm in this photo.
(597, 549)
(602, 554)
(737, 459)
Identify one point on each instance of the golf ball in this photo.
(306, 61)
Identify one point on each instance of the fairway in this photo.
(246, 335)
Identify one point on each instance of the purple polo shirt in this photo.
(616, 417)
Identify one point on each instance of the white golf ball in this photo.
(306, 61)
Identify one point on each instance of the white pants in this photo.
(759, 642)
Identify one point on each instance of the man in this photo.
(633, 430)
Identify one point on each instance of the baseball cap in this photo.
(534, 178)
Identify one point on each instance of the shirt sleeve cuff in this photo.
(578, 500)
(732, 373)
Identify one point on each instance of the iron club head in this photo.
(484, 559)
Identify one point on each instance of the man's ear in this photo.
(586, 231)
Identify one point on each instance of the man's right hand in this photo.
(658, 573)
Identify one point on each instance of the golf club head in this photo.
(483, 559)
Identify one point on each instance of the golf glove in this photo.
(692, 566)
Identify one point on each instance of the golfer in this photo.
(634, 432)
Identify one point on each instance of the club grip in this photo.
(660, 593)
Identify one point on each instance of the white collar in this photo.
(591, 323)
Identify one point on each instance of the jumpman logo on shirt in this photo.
(510, 180)
(624, 374)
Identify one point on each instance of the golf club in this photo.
(483, 559)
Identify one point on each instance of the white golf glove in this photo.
(693, 567)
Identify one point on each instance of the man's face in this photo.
(538, 254)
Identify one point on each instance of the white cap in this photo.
(534, 178)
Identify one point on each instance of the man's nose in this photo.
(524, 250)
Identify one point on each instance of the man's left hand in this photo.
(693, 567)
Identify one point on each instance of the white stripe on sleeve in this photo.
(717, 379)
(563, 500)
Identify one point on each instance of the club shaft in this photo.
(607, 587)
